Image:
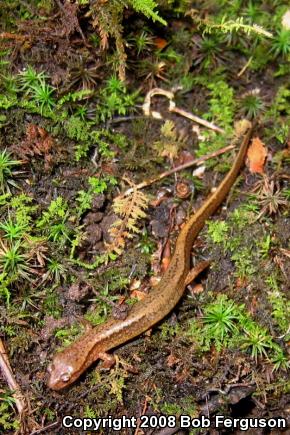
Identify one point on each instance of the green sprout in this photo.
(59, 232)
(28, 78)
(6, 164)
(10, 83)
(113, 84)
(12, 230)
(251, 105)
(143, 42)
(13, 261)
(281, 44)
(257, 340)
(209, 51)
(220, 319)
(42, 94)
(55, 271)
(280, 361)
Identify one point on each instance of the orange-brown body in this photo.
(71, 362)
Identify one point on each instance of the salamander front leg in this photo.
(108, 360)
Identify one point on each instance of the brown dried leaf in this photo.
(172, 360)
(166, 257)
(36, 143)
(257, 154)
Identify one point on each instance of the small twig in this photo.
(45, 428)
(197, 161)
(228, 388)
(20, 401)
(194, 118)
(8, 35)
(143, 412)
(241, 72)
(95, 157)
(172, 108)
(8, 375)
(258, 403)
(284, 335)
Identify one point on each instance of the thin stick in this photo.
(7, 373)
(143, 412)
(241, 72)
(198, 161)
(196, 119)
(46, 428)
(8, 35)
(172, 108)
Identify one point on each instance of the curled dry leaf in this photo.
(135, 284)
(172, 360)
(257, 154)
(166, 256)
(160, 43)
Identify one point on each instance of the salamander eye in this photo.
(65, 377)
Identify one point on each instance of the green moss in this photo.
(280, 305)
(51, 304)
(227, 324)
(168, 330)
(217, 231)
(68, 335)
(170, 409)
(221, 104)
(8, 421)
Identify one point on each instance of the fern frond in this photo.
(147, 8)
(131, 209)
(227, 26)
(236, 25)
(108, 19)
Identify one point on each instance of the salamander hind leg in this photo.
(195, 271)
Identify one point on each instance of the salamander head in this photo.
(61, 372)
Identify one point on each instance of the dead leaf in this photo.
(182, 376)
(160, 43)
(37, 143)
(172, 360)
(166, 256)
(121, 300)
(286, 252)
(135, 284)
(241, 282)
(257, 154)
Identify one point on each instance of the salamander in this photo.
(70, 363)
